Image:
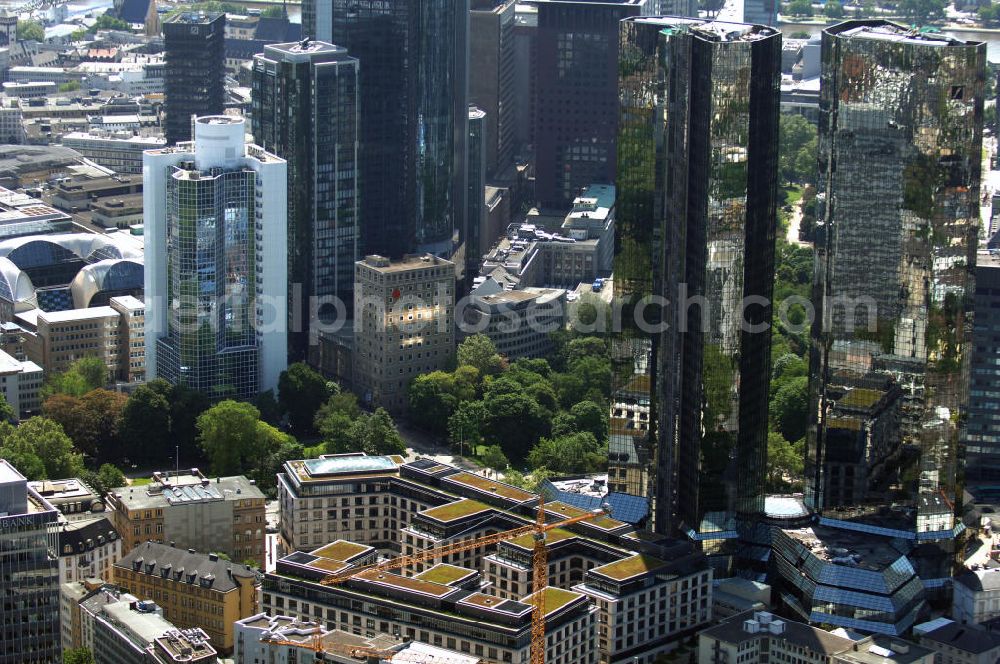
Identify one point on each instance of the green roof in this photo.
(551, 537)
(555, 599)
(630, 567)
(456, 510)
(444, 574)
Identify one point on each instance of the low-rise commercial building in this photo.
(194, 589)
(222, 514)
(286, 640)
(119, 151)
(976, 596)
(756, 637)
(22, 215)
(955, 643)
(21, 384)
(135, 632)
(520, 323)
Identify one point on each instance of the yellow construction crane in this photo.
(539, 560)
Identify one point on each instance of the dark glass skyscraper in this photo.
(901, 119)
(982, 452)
(305, 110)
(576, 65)
(194, 70)
(413, 115)
(697, 183)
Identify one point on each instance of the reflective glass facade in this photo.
(413, 115)
(194, 70)
(211, 279)
(982, 440)
(29, 574)
(697, 187)
(305, 110)
(900, 150)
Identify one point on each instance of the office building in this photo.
(342, 510)
(413, 110)
(475, 217)
(194, 76)
(520, 323)
(491, 79)
(403, 325)
(11, 121)
(216, 262)
(88, 548)
(128, 631)
(23, 215)
(8, 29)
(894, 281)
(976, 596)
(195, 589)
(305, 110)
(576, 83)
(713, 183)
(982, 431)
(955, 643)
(21, 385)
(189, 510)
(119, 151)
(29, 616)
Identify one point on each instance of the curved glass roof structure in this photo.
(15, 285)
(110, 275)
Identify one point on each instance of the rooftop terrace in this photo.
(456, 510)
(489, 486)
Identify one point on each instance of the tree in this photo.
(464, 425)
(6, 412)
(923, 11)
(581, 347)
(186, 405)
(479, 352)
(228, 435)
(376, 434)
(146, 424)
(794, 134)
(84, 375)
(789, 408)
(989, 15)
(334, 419)
(30, 30)
(108, 22)
(40, 439)
(785, 462)
(432, 400)
(106, 478)
(69, 86)
(493, 457)
(575, 453)
(833, 9)
(800, 8)
(301, 391)
(78, 656)
(268, 406)
(273, 12)
(591, 418)
(515, 422)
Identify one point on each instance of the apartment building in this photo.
(21, 384)
(194, 589)
(403, 324)
(366, 505)
(955, 643)
(221, 515)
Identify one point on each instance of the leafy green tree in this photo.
(989, 15)
(84, 375)
(301, 391)
(515, 422)
(799, 8)
(43, 439)
(69, 86)
(789, 408)
(334, 419)
(272, 448)
(493, 457)
(589, 417)
(575, 453)
(228, 435)
(833, 9)
(923, 11)
(464, 425)
(432, 400)
(579, 348)
(595, 373)
(268, 406)
(186, 405)
(30, 30)
(794, 134)
(376, 434)
(479, 352)
(77, 656)
(146, 424)
(108, 22)
(106, 478)
(785, 462)
(6, 411)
